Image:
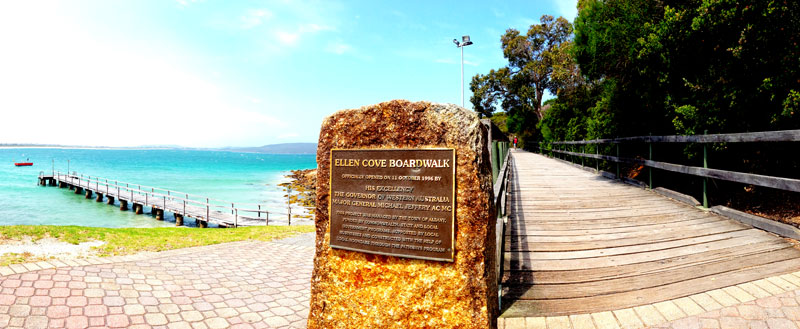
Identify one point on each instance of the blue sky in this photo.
(243, 73)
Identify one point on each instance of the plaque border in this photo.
(452, 214)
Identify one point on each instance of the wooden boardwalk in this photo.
(580, 243)
(161, 201)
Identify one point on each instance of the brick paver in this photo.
(779, 311)
(250, 284)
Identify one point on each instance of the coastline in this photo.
(302, 183)
(90, 148)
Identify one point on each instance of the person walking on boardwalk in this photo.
(515, 142)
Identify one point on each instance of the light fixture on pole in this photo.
(464, 42)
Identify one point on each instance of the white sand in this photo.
(49, 247)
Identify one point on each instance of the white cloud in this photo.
(338, 48)
(287, 136)
(287, 38)
(470, 63)
(255, 17)
(292, 38)
(312, 27)
(185, 3)
(567, 8)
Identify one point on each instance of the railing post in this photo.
(705, 179)
(267, 218)
(495, 164)
(236, 218)
(583, 151)
(232, 208)
(650, 169)
(618, 177)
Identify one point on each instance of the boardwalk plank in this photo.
(597, 303)
(579, 243)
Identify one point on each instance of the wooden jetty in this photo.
(161, 201)
(581, 243)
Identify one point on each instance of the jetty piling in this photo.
(160, 201)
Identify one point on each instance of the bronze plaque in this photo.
(397, 202)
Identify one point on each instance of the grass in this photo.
(15, 258)
(125, 241)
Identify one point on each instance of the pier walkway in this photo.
(578, 244)
(204, 210)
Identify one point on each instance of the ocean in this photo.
(235, 177)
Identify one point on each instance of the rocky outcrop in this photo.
(360, 290)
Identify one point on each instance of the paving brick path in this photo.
(774, 312)
(236, 285)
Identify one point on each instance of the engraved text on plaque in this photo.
(398, 202)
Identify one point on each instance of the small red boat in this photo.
(24, 164)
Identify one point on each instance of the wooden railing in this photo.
(499, 151)
(501, 192)
(154, 194)
(787, 184)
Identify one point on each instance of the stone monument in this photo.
(405, 220)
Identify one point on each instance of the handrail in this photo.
(97, 178)
(501, 192)
(781, 183)
(763, 136)
(174, 195)
(171, 195)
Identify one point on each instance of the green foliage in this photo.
(500, 120)
(727, 58)
(652, 67)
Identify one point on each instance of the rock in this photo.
(361, 290)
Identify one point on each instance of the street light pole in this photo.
(464, 42)
(462, 76)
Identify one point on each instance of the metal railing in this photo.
(781, 183)
(152, 196)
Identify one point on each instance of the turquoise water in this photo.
(236, 177)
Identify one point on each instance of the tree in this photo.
(729, 65)
(685, 66)
(538, 61)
